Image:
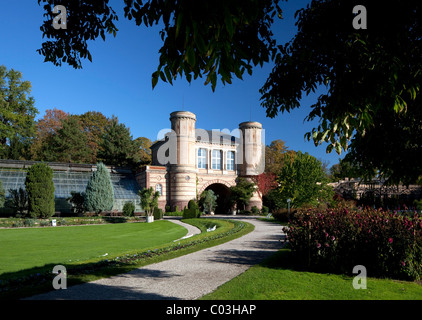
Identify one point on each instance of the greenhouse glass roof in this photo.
(124, 184)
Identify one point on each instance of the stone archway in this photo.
(206, 184)
(222, 189)
(223, 197)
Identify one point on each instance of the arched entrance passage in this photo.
(223, 199)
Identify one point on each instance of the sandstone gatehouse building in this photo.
(190, 160)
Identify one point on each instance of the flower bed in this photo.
(68, 221)
(387, 243)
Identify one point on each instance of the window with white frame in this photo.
(159, 189)
(202, 158)
(216, 160)
(230, 160)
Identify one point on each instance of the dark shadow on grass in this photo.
(114, 219)
(95, 291)
(240, 257)
(39, 281)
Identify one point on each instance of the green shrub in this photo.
(418, 204)
(168, 209)
(255, 210)
(18, 201)
(128, 209)
(2, 195)
(17, 224)
(99, 194)
(40, 188)
(77, 200)
(189, 213)
(175, 213)
(44, 223)
(29, 222)
(158, 213)
(265, 210)
(193, 205)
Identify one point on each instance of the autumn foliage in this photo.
(265, 182)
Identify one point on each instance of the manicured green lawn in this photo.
(16, 285)
(270, 281)
(34, 247)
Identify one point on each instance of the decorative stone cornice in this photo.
(250, 125)
(182, 115)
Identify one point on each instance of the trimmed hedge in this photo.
(158, 213)
(192, 211)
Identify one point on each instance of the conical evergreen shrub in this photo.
(40, 188)
(99, 194)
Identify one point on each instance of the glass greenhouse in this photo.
(124, 184)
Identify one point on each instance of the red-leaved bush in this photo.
(388, 244)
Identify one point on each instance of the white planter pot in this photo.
(149, 219)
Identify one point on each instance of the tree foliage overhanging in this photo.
(372, 81)
(371, 103)
(213, 38)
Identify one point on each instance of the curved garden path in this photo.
(187, 277)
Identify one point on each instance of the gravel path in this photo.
(187, 277)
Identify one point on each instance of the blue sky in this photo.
(118, 81)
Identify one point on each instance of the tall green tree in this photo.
(302, 180)
(94, 124)
(241, 193)
(47, 126)
(17, 115)
(40, 188)
(143, 150)
(117, 146)
(274, 155)
(99, 193)
(369, 78)
(69, 144)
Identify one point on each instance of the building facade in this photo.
(190, 160)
